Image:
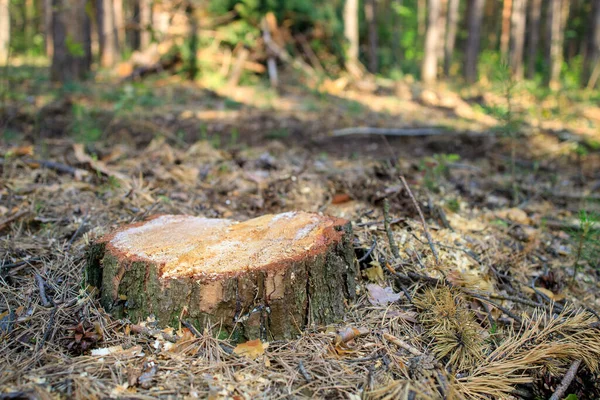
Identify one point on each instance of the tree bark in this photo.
(351, 30)
(474, 39)
(443, 28)
(557, 15)
(282, 273)
(119, 23)
(145, 20)
(107, 33)
(505, 35)
(432, 37)
(450, 34)
(518, 38)
(48, 36)
(371, 19)
(71, 59)
(592, 59)
(535, 13)
(4, 31)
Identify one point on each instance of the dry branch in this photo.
(564, 385)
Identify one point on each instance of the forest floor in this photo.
(499, 302)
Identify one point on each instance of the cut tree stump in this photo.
(266, 278)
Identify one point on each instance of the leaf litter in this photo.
(496, 317)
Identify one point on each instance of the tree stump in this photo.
(266, 278)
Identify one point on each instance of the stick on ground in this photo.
(564, 385)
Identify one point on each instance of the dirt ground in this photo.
(498, 302)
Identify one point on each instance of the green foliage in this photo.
(84, 126)
(586, 241)
(435, 168)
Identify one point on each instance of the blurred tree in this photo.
(145, 23)
(505, 35)
(49, 43)
(475, 15)
(450, 34)
(4, 31)
(557, 14)
(591, 72)
(351, 30)
(371, 19)
(432, 37)
(107, 32)
(119, 17)
(72, 42)
(535, 13)
(517, 46)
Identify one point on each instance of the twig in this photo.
(191, 327)
(368, 253)
(41, 287)
(386, 223)
(13, 218)
(412, 197)
(77, 232)
(304, 372)
(498, 306)
(48, 330)
(402, 344)
(371, 223)
(568, 378)
(19, 263)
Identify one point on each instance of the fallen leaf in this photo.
(378, 295)
(375, 273)
(251, 349)
(340, 198)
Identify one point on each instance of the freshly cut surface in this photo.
(269, 276)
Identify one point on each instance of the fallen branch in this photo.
(347, 334)
(42, 288)
(366, 130)
(13, 218)
(153, 333)
(402, 344)
(568, 378)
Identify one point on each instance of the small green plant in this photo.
(436, 168)
(84, 127)
(586, 241)
(281, 133)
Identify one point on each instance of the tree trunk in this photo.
(351, 30)
(450, 34)
(557, 19)
(266, 278)
(107, 33)
(397, 33)
(119, 23)
(505, 35)
(518, 38)
(193, 42)
(475, 16)
(429, 66)
(145, 19)
(535, 13)
(4, 31)
(371, 19)
(48, 36)
(592, 59)
(442, 24)
(71, 58)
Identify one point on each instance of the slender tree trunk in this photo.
(397, 33)
(119, 23)
(518, 38)
(432, 37)
(371, 18)
(505, 35)
(450, 34)
(474, 39)
(4, 31)
(443, 27)
(145, 19)
(107, 33)
(557, 19)
(535, 13)
(421, 17)
(71, 37)
(193, 42)
(592, 59)
(49, 43)
(351, 30)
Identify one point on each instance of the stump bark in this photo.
(266, 278)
